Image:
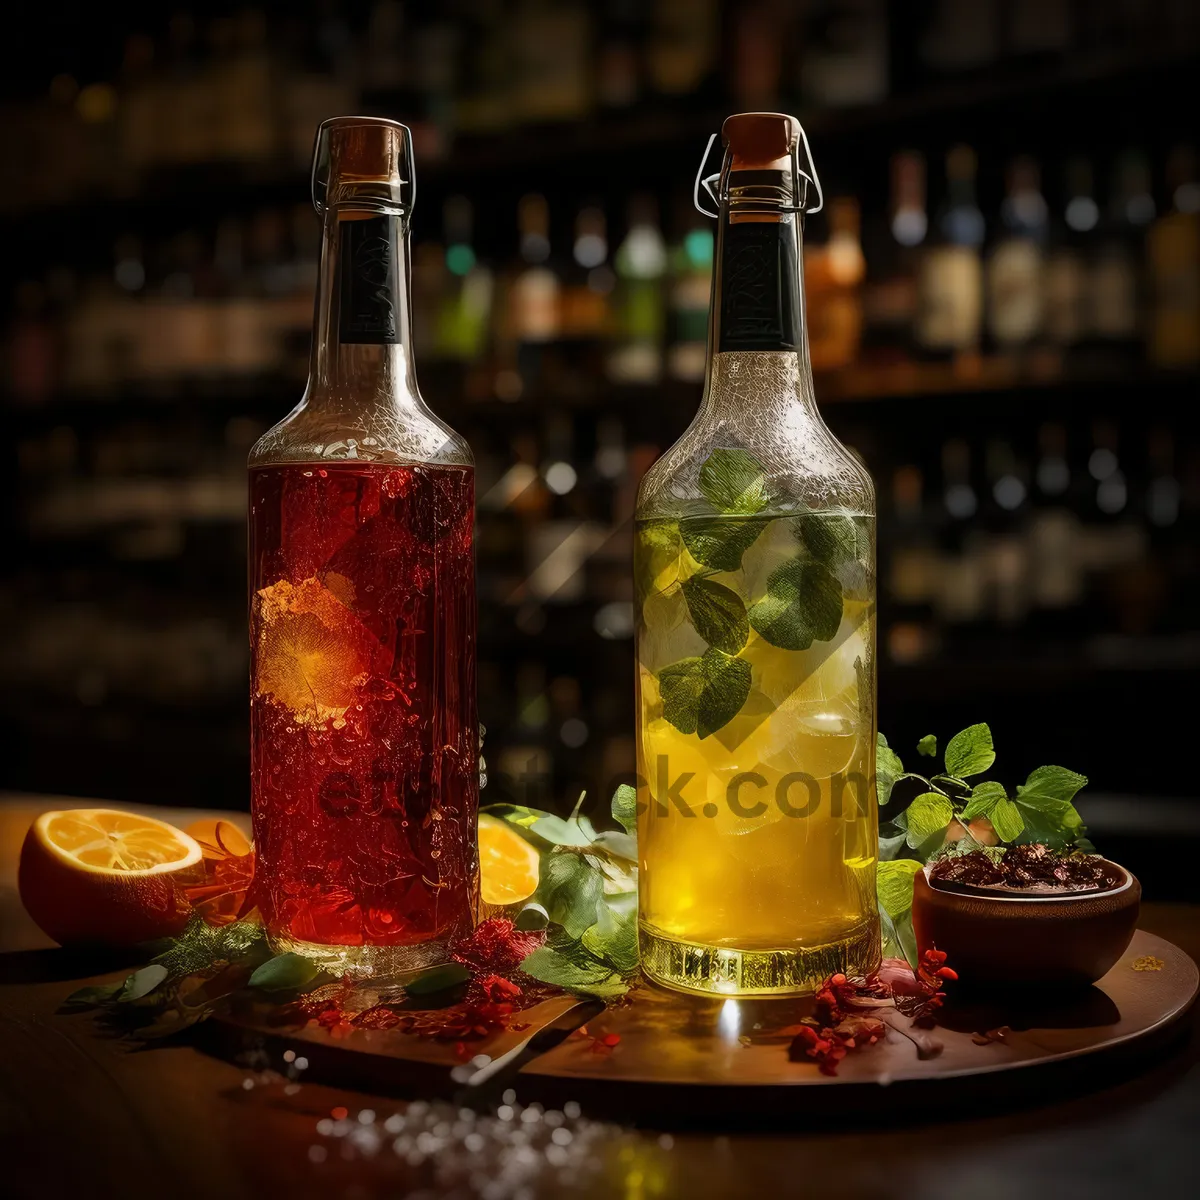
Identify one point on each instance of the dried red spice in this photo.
(1030, 868)
(842, 1008)
(496, 947)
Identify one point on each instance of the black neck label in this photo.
(369, 270)
(760, 287)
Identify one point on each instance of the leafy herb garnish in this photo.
(717, 613)
(701, 695)
(590, 896)
(802, 602)
(733, 481)
(950, 815)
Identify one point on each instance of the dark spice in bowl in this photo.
(1030, 870)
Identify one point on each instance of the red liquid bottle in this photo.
(364, 735)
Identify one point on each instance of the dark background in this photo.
(157, 280)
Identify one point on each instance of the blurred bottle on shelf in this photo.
(912, 571)
(950, 306)
(1173, 251)
(961, 37)
(636, 354)
(1067, 308)
(1015, 283)
(682, 51)
(756, 52)
(890, 297)
(1115, 283)
(960, 593)
(533, 308)
(1003, 518)
(845, 56)
(589, 284)
(620, 68)
(466, 306)
(833, 275)
(691, 262)
(550, 42)
(1054, 529)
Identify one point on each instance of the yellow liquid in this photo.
(765, 883)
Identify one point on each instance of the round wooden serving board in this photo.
(728, 1059)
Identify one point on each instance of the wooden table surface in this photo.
(83, 1115)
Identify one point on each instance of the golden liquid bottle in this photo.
(755, 575)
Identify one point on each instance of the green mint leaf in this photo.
(701, 695)
(894, 885)
(620, 845)
(564, 831)
(94, 996)
(891, 845)
(803, 604)
(532, 918)
(888, 768)
(831, 538)
(142, 983)
(1044, 801)
(591, 978)
(1007, 820)
(570, 889)
(991, 801)
(720, 542)
(718, 614)
(928, 745)
(1053, 783)
(202, 946)
(284, 972)
(970, 752)
(613, 938)
(928, 815)
(437, 979)
(984, 798)
(624, 808)
(733, 481)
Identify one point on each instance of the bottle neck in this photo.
(362, 336)
(758, 292)
(758, 340)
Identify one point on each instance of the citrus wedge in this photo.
(98, 876)
(508, 864)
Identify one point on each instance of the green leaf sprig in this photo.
(588, 893)
(802, 602)
(953, 813)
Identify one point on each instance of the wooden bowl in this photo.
(1004, 940)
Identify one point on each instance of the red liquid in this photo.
(364, 736)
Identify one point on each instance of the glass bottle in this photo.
(950, 309)
(364, 737)
(755, 577)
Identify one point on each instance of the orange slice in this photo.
(98, 876)
(508, 864)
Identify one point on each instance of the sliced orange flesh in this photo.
(102, 839)
(508, 864)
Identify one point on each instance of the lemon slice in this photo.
(100, 876)
(508, 864)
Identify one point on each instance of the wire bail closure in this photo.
(321, 162)
(716, 185)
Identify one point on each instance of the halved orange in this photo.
(508, 864)
(98, 876)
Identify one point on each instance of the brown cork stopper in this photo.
(760, 141)
(366, 149)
